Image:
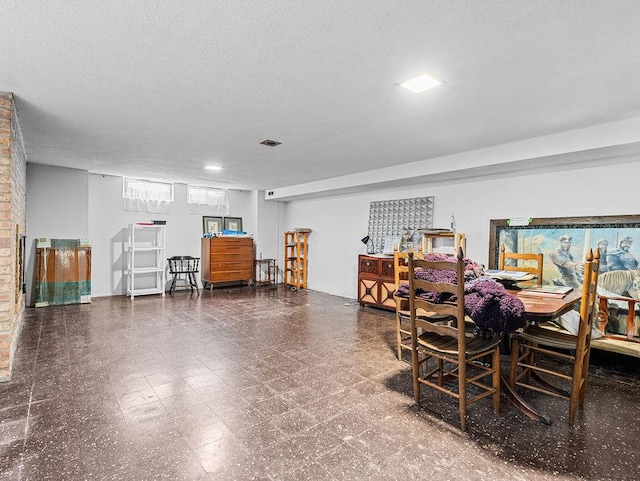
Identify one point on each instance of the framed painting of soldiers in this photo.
(565, 242)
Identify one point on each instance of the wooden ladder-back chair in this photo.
(401, 274)
(618, 292)
(561, 346)
(525, 265)
(457, 353)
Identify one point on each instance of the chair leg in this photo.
(585, 376)
(399, 336)
(415, 370)
(531, 360)
(462, 391)
(576, 388)
(192, 282)
(513, 369)
(496, 381)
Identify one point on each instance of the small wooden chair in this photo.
(559, 345)
(187, 265)
(401, 274)
(457, 353)
(525, 265)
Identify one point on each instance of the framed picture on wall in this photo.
(565, 243)
(233, 223)
(211, 224)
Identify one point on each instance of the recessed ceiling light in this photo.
(213, 167)
(421, 83)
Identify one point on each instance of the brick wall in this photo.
(13, 175)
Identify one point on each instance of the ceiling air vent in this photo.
(270, 143)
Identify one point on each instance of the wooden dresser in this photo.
(226, 259)
(376, 283)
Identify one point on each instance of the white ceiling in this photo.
(158, 89)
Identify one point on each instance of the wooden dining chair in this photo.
(531, 263)
(562, 347)
(457, 353)
(617, 294)
(603, 315)
(187, 266)
(401, 275)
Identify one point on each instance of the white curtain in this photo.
(147, 196)
(207, 201)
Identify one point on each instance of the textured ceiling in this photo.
(159, 89)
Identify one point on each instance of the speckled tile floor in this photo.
(242, 384)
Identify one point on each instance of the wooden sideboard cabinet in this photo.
(376, 283)
(226, 259)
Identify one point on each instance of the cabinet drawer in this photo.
(230, 257)
(231, 266)
(369, 265)
(387, 268)
(231, 275)
(219, 241)
(230, 249)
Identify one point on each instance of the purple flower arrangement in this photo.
(486, 301)
(491, 307)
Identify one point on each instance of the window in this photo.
(147, 196)
(206, 200)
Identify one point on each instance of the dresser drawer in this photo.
(231, 266)
(231, 275)
(369, 265)
(387, 269)
(230, 257)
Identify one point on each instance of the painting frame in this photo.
(233, 223)
(211, 224)
(565, 243)
(497, 228)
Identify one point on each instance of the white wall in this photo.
(339, 222)
(57, 208)
(270, 234)
(109, 222)
(68, 203)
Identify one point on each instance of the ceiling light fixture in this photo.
(213, 167)
(420, 83)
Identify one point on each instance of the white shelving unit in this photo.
(147, 274)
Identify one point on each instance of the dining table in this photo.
(544, 308)
(539, 309)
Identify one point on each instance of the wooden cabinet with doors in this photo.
(376, 282)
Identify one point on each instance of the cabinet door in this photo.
(386, 294)
(368, 291)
